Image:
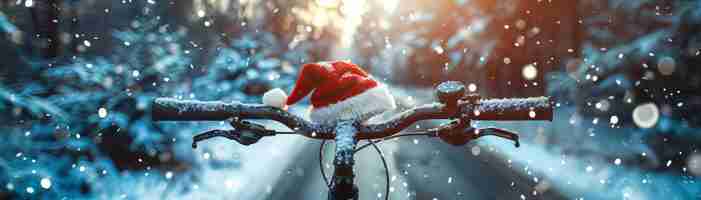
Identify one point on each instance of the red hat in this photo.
(340, 90)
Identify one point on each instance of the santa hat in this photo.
(340, 90)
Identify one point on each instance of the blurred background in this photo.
(77, 78)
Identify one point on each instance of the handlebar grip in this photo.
(168, 109)
(512, 109)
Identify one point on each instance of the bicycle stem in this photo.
(343, 184)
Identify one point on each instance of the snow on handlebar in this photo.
(512, 109)
(453, 103)
(534, 108)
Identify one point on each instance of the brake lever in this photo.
(452, 133)
(246, 125)
(459, 133)
(244, 132)
(502, 133)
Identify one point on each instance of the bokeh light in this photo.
(529, 72)
(646, 115)
(666, 65)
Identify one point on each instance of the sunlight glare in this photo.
(390, 5)
(353, 11)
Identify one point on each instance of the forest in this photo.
(78, 78)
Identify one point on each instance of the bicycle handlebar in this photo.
(514, 109)
(533, 108)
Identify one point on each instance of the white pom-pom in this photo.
(275, 97)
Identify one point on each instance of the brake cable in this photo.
(394, 136)
(384, 163)
(321, 164)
